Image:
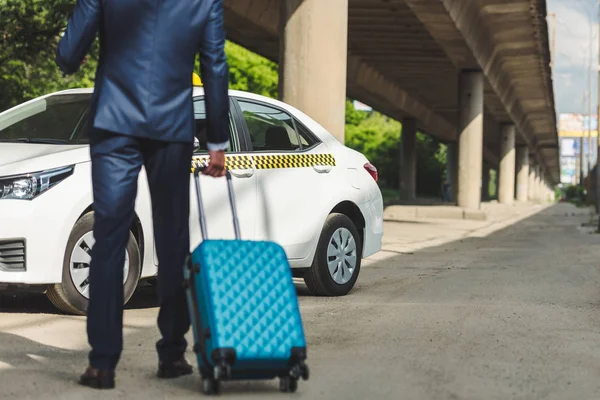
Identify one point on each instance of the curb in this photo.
(398, 213)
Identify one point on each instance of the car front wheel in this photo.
(72, 294)
(337, 260)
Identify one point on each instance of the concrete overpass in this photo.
(475, 74)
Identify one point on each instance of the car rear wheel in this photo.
(337, 260)
(72, 294)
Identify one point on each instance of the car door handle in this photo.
(322, 169)
(242, 173)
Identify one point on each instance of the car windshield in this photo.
(58, 119)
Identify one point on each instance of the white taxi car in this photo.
(294, 183)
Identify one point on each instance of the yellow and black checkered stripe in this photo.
(280, 161)
(292, 160)
(231, 162)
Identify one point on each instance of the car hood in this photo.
(21, 158)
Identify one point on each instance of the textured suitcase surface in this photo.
(248, 301)
(245, 314)
(244, 310)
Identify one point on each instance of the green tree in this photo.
(355, 117)
(431, 165)
(378, 137)
(29, 33)
(251, 72)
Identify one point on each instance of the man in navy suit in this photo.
(142, 115)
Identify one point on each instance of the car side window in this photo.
(202, 126)
(307, 139)
(270, 129)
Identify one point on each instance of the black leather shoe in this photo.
(175, 369)
(98, 378)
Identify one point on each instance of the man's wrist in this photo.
(217, 146)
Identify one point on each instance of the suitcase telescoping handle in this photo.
(236, 224)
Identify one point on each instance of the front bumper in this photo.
(44, 225)
(42, 257)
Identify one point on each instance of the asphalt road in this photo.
(512, 314)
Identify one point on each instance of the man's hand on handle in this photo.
(216, 165)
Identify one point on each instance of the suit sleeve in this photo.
(215, 78)
(79, 35)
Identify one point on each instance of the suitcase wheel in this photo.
(222, 372)
(300, 371)
(210, 386)
(304, 372)
(287, 384)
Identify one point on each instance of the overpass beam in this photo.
(506, 181)
(313, 60)
(522, 174)
(408, 159)
(470, 140)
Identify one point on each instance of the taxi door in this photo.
(219, 221)
(289, 185)
(218, 215)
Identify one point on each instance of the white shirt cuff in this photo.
(217, 146)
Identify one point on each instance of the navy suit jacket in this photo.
(143, 83)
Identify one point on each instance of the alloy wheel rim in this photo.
(341, 256)
(79, 264)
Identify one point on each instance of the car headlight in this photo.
(29, 186)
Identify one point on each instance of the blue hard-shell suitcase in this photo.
(244, 309)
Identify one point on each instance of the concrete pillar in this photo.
(470, 140)
(506, 181)
(408, 159)
(313, 60)
(522, 173)
(485, 182)
(452, 168)
(541, 180)
(537, 183)
(532, 172)
(542, 192)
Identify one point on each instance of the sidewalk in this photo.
(404, 234)
(420, 209)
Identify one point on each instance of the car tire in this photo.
(65, 295)
(338, 228)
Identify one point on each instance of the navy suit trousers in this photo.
(116, 163)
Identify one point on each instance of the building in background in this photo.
(577, 132)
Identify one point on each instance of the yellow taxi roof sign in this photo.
(196, 81)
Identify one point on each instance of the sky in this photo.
(576, 21)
